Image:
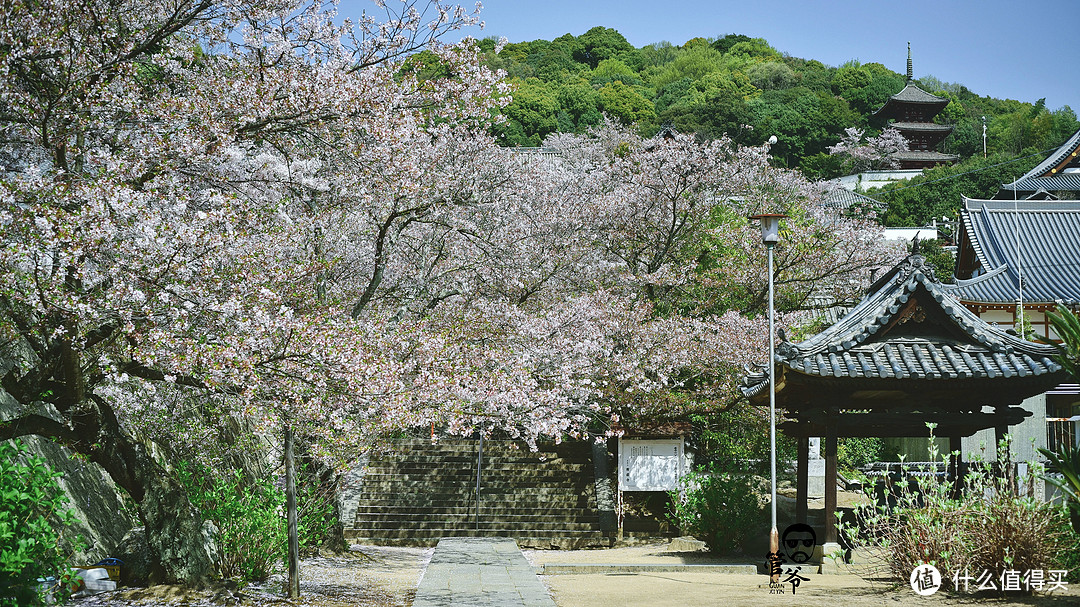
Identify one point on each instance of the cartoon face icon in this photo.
(798, 541)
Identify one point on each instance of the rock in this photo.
(686, 544)
(134, 551)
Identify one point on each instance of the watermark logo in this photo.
(798, 542)
(925, 580)
(796, 546)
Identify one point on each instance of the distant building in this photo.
(912, 112)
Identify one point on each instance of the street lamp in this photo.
(770, 235)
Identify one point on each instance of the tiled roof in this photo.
(908, 327)
(914, 94)
(911, 94)
(842, 198)
(925, 155)
(1039, 178)
(922, 126)
(1049, 254)
(1069, 182)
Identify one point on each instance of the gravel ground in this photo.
(370, 575)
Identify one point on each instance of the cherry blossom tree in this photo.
(258, 212)
(147, 243)
(872, 153)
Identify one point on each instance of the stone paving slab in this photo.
(480, 572)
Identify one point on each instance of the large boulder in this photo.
(134, 551)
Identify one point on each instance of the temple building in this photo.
(906, 355)
(1056, 178)
(1017, 258)
(912, 112)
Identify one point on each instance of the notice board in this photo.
(650, 465)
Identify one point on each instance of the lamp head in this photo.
(770, 227)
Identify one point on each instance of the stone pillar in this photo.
(802, 480)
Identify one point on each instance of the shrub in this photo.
(717, 506)
(855, 452)
(248, 515)
(990, 526)
(32, 523)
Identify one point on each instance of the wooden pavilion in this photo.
(906, 355)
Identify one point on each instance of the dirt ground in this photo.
(856, 587)
(387, 577)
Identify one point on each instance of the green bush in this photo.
(717, 506)
(855, 452)
(248, 516)
(32, 524)
(990, 526)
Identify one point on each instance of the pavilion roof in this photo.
(909, 328)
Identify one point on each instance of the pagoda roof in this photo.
(911, 95)
(1005, 237)
(1050, 174)
(908, 343)
(931, 127)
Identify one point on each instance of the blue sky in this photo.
(997, 48)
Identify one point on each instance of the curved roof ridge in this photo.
(1072, 144)
(963, 282)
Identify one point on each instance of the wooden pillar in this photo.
(293, 581)
(802, 473)
(830, 480)
(956, 464)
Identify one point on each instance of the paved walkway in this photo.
(480, 572)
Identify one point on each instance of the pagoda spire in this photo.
(910, 73)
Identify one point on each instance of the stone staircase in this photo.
(421, 492)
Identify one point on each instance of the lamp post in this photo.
(770, 235)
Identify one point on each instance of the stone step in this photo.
(596, 540)
(470, 509)
(466, 523)
(439, 462)
(463, 530)
(424, 467)
(421, 492)
(502, 490)
(486, 485)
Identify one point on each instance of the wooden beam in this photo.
(830, 483)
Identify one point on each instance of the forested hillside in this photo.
(745, 88)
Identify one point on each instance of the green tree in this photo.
(32, 524)
(531, 116)
(940, 191)
(601, 43)
(579, 107)
(626, 105)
